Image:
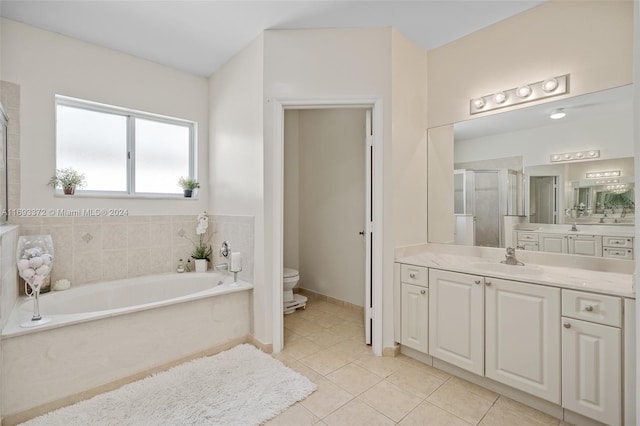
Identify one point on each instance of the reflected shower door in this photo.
(486, 208)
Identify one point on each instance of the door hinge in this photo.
(369, 312)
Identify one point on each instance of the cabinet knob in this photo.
(412, 275)
(423, 291)
(477, 281)
(488, 283)
(588, 308)
(566, 325)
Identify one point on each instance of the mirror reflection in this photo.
(507, 178)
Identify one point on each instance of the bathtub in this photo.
(105, 334)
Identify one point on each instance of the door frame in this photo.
(279, 105)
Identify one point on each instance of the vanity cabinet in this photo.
(592, 355)
(414, 307)
(586, 245)
(553, 243)
(505, 330)
(617, 247)
(582, 244)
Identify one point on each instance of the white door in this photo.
(522, 340)
(591, 377)
(456, 319)
(368, 232)
(414, 321)
(553, 243)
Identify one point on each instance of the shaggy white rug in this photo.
(241, 386)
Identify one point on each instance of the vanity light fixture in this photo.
(607, 174)
(525, 93)
(579, 155)
(557, 114)
(605, 181)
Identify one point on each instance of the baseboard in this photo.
(392, 351)
(264, 347)
(312, 295)
(23, 416)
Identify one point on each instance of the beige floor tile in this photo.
(353, 378)
(326, 399)
(300, 348)
(427, 368)
(304, 327)
(327, 320)
(354, 348)
(390, 400)
(326, 361)
(325, 338)
(290, 336)
(427, 414)
(460, 401)
(296, 415)
(331, 308)
(507, 412)
(306, 371)
(357, 413)
(347, 330)
(478, 390)
(383, 366)
(416, 380)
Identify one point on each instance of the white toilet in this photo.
(291, 302)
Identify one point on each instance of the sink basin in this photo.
(502, 268)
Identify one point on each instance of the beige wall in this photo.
(591, 40)
(331, 200)
(236, 158)
(45, 64)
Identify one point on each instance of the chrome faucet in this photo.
(221, 266)
(510, 258)
(574, 227)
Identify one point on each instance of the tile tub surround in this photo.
(10, 98)
(607, 276)
(92, 249)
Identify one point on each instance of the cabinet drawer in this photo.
(527, 236)
(617, 253)
(592, 307)
(626, 242)
(417, 275)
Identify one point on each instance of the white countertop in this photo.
(611, 283)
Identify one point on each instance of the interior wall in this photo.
(45, 64)
(291, 185)
(236, 158)
(553, 39)
(332, 202)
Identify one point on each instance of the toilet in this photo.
(291, 302)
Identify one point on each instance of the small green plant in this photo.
(188, 183)
(68, 179)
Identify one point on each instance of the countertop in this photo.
(604, 282)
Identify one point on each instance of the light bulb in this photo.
(479, 103)
(523, 91)
(557, 114)
(550, 85)
(500, 97)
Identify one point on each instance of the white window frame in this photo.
(130, 115)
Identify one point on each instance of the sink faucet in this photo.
(221, 266)
(573, 227)
(510, 258)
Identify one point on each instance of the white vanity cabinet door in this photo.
(415, 317)
(591, 376)
(586, 245)
(456, 319)
(553, 243)
(522, 337)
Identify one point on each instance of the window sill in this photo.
(126, 196)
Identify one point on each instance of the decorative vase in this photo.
(68, 190)
(201, 265)
(34, 258)
(188, 192)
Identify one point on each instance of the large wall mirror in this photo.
(3, 166)
(502, 172)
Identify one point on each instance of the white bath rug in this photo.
(241, 386)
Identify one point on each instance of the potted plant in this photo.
(202, 251)
(68, 179)
(188, 185)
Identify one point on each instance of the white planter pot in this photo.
(201, 265)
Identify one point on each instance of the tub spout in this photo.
(221, 266)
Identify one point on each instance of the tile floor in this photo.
(325, 343)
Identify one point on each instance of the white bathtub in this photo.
(107, 332)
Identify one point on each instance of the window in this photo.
(122, 151)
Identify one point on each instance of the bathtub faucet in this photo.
(221, 266)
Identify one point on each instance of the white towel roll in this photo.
(236, 261)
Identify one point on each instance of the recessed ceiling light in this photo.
(550, 85)
(523, 91)
(557, 114)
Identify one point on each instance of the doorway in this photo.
(543, 199)
(372, 230)
(325, 206)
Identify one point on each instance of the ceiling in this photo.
(200, 36)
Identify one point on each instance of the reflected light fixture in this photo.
(557, 114)
(606, 174)
(578, 155)
(524, 93)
